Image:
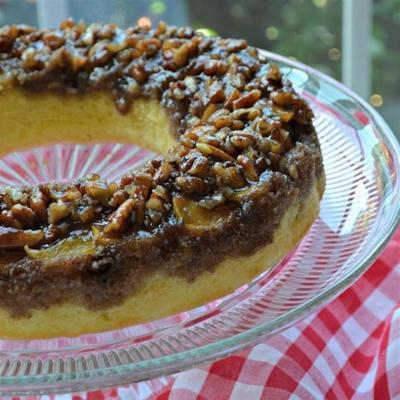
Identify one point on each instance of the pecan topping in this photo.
(234, 112)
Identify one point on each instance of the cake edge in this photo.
(163, 295)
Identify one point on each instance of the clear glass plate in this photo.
(359, 211)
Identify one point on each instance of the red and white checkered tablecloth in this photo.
(348, 349)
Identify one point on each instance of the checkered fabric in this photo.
(348, 349)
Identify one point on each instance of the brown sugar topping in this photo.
(237, 119)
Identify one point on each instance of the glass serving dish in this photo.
(359, 212)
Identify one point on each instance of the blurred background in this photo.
(355, 41)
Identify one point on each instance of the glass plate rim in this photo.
(106, 376)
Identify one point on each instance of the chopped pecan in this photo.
(192, 184)
(284, 115)
(212, 139)
(233, 95)
(234, 45)
(230, 148)
(99, 191)
(121, 217)
(143, 179)
(118, 198)
(211, 67)
(159, 200)
(187, 142)
(24, 215)
(237, 124)
(248, 167)
(54, 232)
(283, 98)
(162, 193)
(6, 43)
(181, 55)
(194, 163)
(161, 28)
(190, 83)
(248, 99)
(213, 151)
(293, 172)
(262, 163)
(53, 39)
(30, 59)
(253, 113)
(264, 126)
(149, 46)
(73, 195)
(274, 74)
(242, 139)
(152, 218)
(38, 204)
(211, 108)
(216, 92)
(155, 203)
(280, 135)
(164, 172)
(228, 176)
(221, 118)
(87, 214)
(57, 211)
(7, 219)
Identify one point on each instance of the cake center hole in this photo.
(66, 162)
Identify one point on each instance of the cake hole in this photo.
(66, 162)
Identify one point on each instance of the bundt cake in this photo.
(236, 186)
